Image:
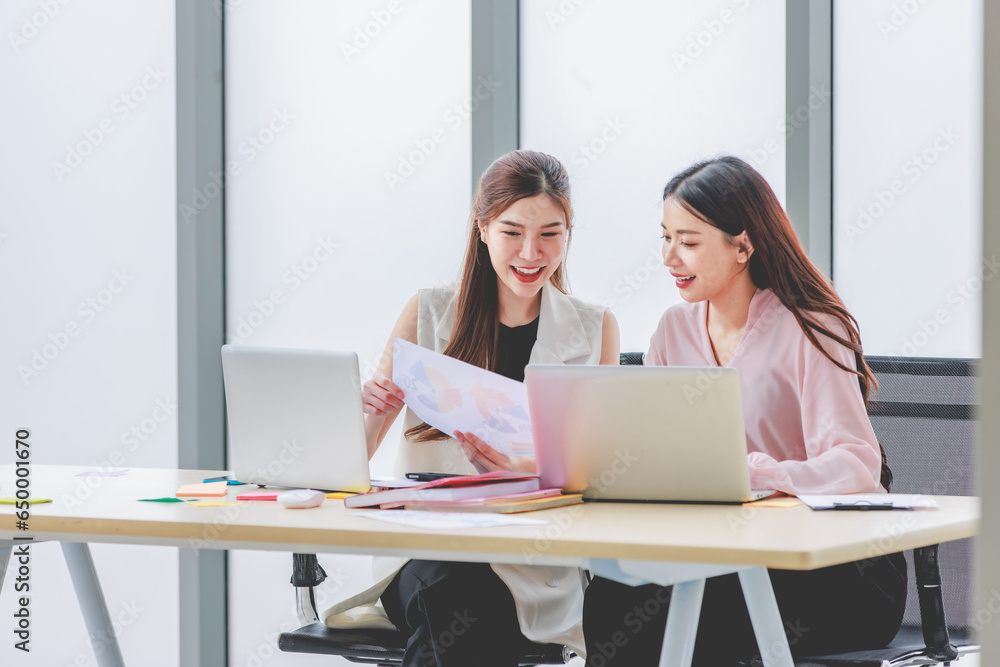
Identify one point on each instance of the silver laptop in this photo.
(295, 418)
(640, 432)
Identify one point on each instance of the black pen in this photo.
(862, 507)
(428, 476)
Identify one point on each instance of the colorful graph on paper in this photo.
(452, 395)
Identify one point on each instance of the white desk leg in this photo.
(766, 619)
(682, 624)
(4, 559)
(91, 597)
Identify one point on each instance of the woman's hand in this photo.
(487, 459)
(381, 397)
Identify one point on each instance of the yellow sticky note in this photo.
(776, 502)
(339, 495)
(31, 501)
(211, 503)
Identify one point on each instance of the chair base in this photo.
(385, 647)
(906, 649)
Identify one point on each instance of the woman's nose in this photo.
(529, 249)
(668, 253)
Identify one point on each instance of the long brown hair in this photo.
(512, 177)
(732, 196)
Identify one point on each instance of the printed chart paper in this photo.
(452, 395)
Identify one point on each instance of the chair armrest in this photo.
(932, 619)
(306, 571)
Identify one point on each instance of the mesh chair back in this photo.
(924, 414)
(631, 359)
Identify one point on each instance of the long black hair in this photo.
(732, 196)
(512, 177)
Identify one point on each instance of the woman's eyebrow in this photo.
(681, 231)
(559, 223)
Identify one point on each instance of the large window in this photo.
(348, 142)
(907, 174)
(87, 258)
(627, 94)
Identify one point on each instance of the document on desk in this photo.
(869, 501)
(447, 520)
(452, 395)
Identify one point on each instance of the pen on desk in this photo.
(862, 506)
(428, 476)
(224, 478)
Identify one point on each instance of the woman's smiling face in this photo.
(526, 243)
(705, 261)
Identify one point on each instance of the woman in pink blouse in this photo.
(755, 302)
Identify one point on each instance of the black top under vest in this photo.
(514, 344)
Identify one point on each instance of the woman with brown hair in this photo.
(509, 308)
(755, 302)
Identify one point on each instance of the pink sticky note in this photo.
(258, 495)
(210, 490)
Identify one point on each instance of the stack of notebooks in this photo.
(501, 491)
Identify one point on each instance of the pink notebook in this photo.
(479, 502)
(499, 483)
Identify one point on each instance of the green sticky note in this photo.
(31, 501)
(160, 500)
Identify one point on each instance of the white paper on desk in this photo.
(899, 501)
(102, 473)
(393, 483)
(447, 520)
(452, 395)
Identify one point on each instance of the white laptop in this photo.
(661, 433)
(296, 418)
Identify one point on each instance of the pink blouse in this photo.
(806, 426)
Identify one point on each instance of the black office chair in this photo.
(379, 647)
(631, 358)
(924, 416)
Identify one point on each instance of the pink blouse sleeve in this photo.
(655, 357)
(842, 453)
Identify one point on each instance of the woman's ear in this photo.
(746, 248)
(482, 231)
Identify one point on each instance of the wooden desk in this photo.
(666, 544)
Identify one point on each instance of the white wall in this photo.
(908, 172)
(629, 93)
(323, 248)
(87, 288)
